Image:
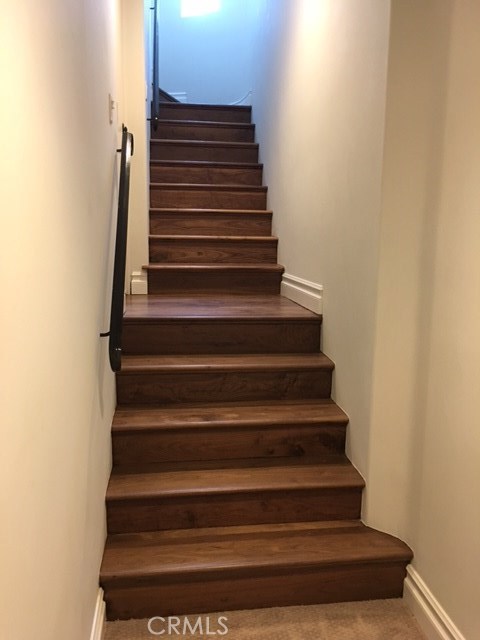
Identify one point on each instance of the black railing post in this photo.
(155, 82)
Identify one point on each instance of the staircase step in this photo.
(231, 496)
(203, 130)
(230, 487)
(203, 150)
(206, 172)
(223, 378)
(200, 249)
(218, 113)
(210, 222)
(218, 324)
(207, 196)
(245, 567)
(218, 278)
(227, 431)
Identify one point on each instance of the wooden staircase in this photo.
(230, 487)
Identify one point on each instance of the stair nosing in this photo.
(206, 319)
(338, 418)
(253, 482)
(201, 164)
(240, 568)
(207, 266)
(203, 105)
(206, 123)
(397, 553)
(212, 143)
(232, 363)
(206, 186)
(213, 238)
(200, 211)
(287, 423)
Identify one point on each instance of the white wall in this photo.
(133, 111)
(374, 180)
(424, 471)
(209, 57)
(319, 103)
(58, 64)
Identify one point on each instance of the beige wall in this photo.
(133, 112)
(378, 200)
(319, 103)
(58, 64)
(424, 471)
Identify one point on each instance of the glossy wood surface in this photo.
(246, 414)
(214, 278)
(208, 196)
(210, 222)
(137, 365)
(233, 480)
(179, 171)
(151, 380)
(216, 113)
(203, 150)
(218, 324)
(203, 130)
(224, 549)
(150, 308)
(222, 431)
(230, 486)
(232, 496)
(208, 249)
(192, 571)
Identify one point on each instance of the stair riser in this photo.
(232, 592)
(205, 175)
(216, 336)
(227, 443)
(165, 151)
(185, 112)
(208, 199)
(183, 281)
(254, 507)
(242, 224)
(207, 251)
(222, 133)
(207, 386)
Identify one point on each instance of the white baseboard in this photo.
(308, 294)
(98, 625)
(246, 100)
(431, 616)
(181, 96)
(138, 283)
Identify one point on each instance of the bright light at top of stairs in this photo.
(194, 8)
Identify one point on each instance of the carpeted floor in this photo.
(375, 620)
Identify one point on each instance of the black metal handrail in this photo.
(118, 288)
(155, 81)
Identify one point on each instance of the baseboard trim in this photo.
(308, 294)
(138, 283)
(181, 96)
(431, 616)
(98, 625)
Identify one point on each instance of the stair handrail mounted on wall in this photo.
(118, 287)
